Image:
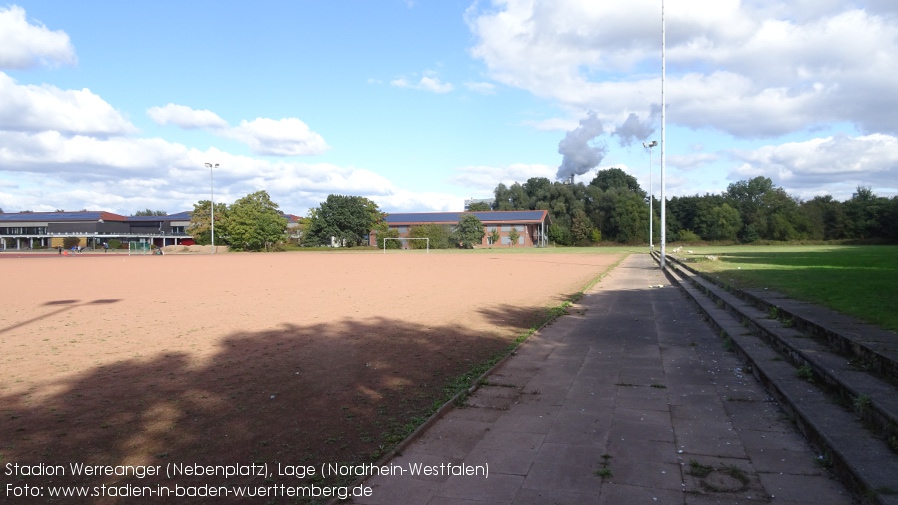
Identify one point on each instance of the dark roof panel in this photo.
(90, 215)
(453, 217)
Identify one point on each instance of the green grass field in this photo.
(861, 281)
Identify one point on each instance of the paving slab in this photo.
(614, 404)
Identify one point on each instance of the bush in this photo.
(688, 236)
(70, 242)
(388, 233)
(115, 244)
(438, 234)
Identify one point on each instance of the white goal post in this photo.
(427, 247)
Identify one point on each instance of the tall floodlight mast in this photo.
(663, 145)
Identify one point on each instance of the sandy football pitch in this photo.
(242, 359)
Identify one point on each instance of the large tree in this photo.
(200, 227)
(255, 223)
(617, 178)
(469, 231)
(150, 212)
(348, 220)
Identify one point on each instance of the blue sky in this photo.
(420, 104)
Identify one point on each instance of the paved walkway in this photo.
(630, 399)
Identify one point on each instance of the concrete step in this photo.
(845, 412)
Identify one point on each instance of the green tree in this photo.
(200, 223)
(347, 219)
(617, 178)
(255, 223)
(439, 234)
(149, 212)
(581, 228)
(826, 218)
(559, 234)
(469, 231)
(478, 206)
(382, 230)
(720, 222)
(748, 198)
(513, 236)
(624, 215)
(866, 214)
(494, 236)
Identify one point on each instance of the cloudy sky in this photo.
(419, 104)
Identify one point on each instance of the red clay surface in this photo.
(290, 358)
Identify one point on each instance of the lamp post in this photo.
(212, 202)
(649, 146)
(663, 144)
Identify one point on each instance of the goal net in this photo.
(426, 244)
(138, 248)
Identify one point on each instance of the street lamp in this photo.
(212, 202)
(649, 146)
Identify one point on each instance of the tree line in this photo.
(612, 207)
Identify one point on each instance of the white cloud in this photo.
(185, 117)
(689, 161)
(751, 69)
(835, 164)
(428, 82)
(46, 107)
(553, 124)
(485, 88)
(482, 180)
(25, 45)
(408, 201)
(122, 175)
(284, 137)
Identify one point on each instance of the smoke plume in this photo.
(578, 157)
(634, 130)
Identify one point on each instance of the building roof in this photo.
(87, 215)
(180, 216)
(487, 217)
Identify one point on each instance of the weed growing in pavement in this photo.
(736, 473)
(728, 344)
(805, 372)
(893, 443)
(699, 470)
(605, 472)
(862, 403)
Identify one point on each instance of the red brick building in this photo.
(531, 225)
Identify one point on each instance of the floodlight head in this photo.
(650, 144)
(209, 165)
